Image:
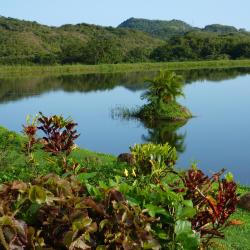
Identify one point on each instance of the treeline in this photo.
(204, 46)
(23, 42)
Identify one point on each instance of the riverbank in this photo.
(19, 70)
(13, 166)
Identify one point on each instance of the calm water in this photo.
(219, 135)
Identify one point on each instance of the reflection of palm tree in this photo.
(162, 132)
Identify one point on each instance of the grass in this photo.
(171, 111)
(116, 68)
(13, 162)
(13, 166)
(237, 237)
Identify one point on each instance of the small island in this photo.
(161, 99)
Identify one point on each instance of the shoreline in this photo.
(24, 70)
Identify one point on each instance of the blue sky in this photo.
(113, 12)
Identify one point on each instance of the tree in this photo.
(165, 88)
(102, 49)
(161, 96)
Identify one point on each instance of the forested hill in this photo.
(30, 42)
(158, 28)
(136, 40)
(168, 29)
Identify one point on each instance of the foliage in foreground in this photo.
(151, 206)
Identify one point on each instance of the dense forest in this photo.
(135, 40)
(204, 45)
(30, 42)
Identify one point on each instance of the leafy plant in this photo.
(166, 87)
(153, 159)
(161, 99)
(60, 214)
(153, 206)
(59, 136)
(214, 199)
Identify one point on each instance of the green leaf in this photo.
(103, 223)
(229, 177)
(185, 236)
(124, 188)
(132, 201)
(162, 235)
(182, 226)
(188, 203)
(37, 194)
(101, 247)
(103, 185)
(154, 210)
(93, 191)
(85, 176)
(81, 223)
(185, 212)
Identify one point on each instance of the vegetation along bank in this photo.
(58, 196)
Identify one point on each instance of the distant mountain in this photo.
(168, 29)
(158, 28)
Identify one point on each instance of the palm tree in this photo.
(164, 88)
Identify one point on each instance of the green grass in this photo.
(172, 111)
(14, 167)
(13, 162)
(115, 68)
(237, 237)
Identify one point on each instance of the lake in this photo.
(217, 137)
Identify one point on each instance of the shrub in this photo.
(59, 136)
(154, 160)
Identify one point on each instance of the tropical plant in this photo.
(166, 87)
(153, 207)
(161, 99)
(59, 136)
(29, 131)
(214, 199)
(153, 159)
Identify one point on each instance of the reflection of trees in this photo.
(16, 88)
(214, 75)
(163, 131)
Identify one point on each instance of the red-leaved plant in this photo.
(60, 135)
(214, 199)
(29, 131)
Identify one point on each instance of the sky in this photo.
(112, 12)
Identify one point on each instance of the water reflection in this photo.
(12, 89)
(214, 138)
(166, 132)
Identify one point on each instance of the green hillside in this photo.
(158, 28)
(222, 29)
(135, 40)
(30, 42)
(168, 29)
